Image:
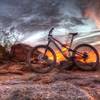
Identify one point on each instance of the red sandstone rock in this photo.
(20, 51)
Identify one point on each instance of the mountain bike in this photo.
(84, 56)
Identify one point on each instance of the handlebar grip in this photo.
(51, 30)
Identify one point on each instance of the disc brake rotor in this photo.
(42, 58)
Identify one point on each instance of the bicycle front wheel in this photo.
(40, 60)
(86, 57)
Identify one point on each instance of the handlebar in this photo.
(50, 32)
(73, 34)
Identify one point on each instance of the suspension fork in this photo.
(70, 45)
(47, 47)
(71, 42)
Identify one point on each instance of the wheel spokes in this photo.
(88, 56)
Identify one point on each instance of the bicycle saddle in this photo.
(73, 34)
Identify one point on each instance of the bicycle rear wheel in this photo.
(86, 57)
(39, 62)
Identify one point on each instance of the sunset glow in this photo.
(92, 15)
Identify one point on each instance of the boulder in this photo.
(20, 51)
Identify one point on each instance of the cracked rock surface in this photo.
(17, 82)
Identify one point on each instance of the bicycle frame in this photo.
(57, 43)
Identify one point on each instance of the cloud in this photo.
(34, 16)
(37, 14)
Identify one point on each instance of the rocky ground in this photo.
(18, 82)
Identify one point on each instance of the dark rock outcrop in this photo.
(20, 51)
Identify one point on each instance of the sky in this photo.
(34, 18)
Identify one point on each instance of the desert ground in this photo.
(18, 82)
